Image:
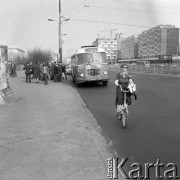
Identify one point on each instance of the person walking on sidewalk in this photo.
(41, 70)
(57, 73)
(36, 72)
(64, 71)
(28, 69)
(32, 69)
(60, 71)
(13, 70)
(45, 73)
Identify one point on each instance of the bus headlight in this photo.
(105, 72)
(81, 74)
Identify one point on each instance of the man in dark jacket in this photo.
(64, 71)
(56, 73)
(28, 69)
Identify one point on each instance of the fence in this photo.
(171, 69)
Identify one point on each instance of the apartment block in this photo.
(129, 48)
(160, 40)
(110, 46)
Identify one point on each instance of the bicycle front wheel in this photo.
(125, 118)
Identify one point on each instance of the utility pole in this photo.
(60, 36)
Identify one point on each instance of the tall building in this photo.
(110, 46)
(119, 40)
(162, 40)
(129, 48)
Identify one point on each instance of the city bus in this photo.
(89, 64)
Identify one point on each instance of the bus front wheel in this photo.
(77, 84)
(73, 79)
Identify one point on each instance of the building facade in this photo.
(129, 48)
(14, 53)
(119, 40)
(162, 40)
(110, 46)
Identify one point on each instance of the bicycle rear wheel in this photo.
(125, 118)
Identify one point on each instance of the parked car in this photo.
(68, 70)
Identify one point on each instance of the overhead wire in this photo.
(104, 22)
(139, 11)
(76, 10)
(119, 1)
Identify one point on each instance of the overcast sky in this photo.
(24, 22)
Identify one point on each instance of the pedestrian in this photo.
(51, 70)
(36, 72)
(41, 70)
(32, 69)
(59, 71)
(13, 70)
(45, 73)
(56, 73)
(28, 69)
(64, 72)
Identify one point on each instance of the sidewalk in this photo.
(47, 133)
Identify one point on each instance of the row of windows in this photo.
(108, 42)
(108, 47)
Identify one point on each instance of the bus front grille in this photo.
(93, 72)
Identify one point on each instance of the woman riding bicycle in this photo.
(123, 80)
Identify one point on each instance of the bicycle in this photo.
(124, 112)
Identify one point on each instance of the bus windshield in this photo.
(99, 57)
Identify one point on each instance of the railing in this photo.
(171, 69)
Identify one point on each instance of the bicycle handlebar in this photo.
(122, 89)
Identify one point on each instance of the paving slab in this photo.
(48, 133)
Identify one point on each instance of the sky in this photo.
(25, 22)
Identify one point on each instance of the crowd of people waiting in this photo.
(44, 71)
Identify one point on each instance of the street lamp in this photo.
(60, 36)
(59, 31)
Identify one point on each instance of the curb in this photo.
(94, 129)
(96, 133)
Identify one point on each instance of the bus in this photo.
(89, 64)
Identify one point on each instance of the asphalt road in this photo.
(154, 120)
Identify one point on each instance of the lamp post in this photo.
(59, 31)
(60, 36)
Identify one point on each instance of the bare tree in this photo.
(39, 55)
